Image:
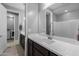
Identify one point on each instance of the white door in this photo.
(3, 28)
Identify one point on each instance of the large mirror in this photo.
(66, 21)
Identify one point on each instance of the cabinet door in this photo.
(36, 52)
(22, 41)
(30, 48)
(35, 49)
(41, 49)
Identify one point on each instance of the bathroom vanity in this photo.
(40, 45)
(34, 49)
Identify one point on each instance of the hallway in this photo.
(10, 51)
(13, 50)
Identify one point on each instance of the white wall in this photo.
(36, 19)
(16, 26)
(66, 25)
(3, 28)
(32, 17)
(22, 22)
(42, 21)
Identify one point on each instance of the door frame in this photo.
(8, 10)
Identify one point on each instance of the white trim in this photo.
(14, 31)
(26, 28)
(18, 27)
(13, 11)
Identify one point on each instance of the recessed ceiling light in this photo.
(66, 10)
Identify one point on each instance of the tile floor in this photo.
(13, 50)
(10, 51)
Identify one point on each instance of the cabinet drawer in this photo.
(30, 47)
(41, 49)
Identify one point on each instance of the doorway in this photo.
(12, 28)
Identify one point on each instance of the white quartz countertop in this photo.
(57, 45)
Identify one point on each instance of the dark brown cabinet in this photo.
(36, 52)
(22, 41)
(30, 47)
(34, 49)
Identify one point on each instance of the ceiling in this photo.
(60, 8)
(57, 8)
(18, 6)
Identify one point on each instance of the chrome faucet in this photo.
(50, 36)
